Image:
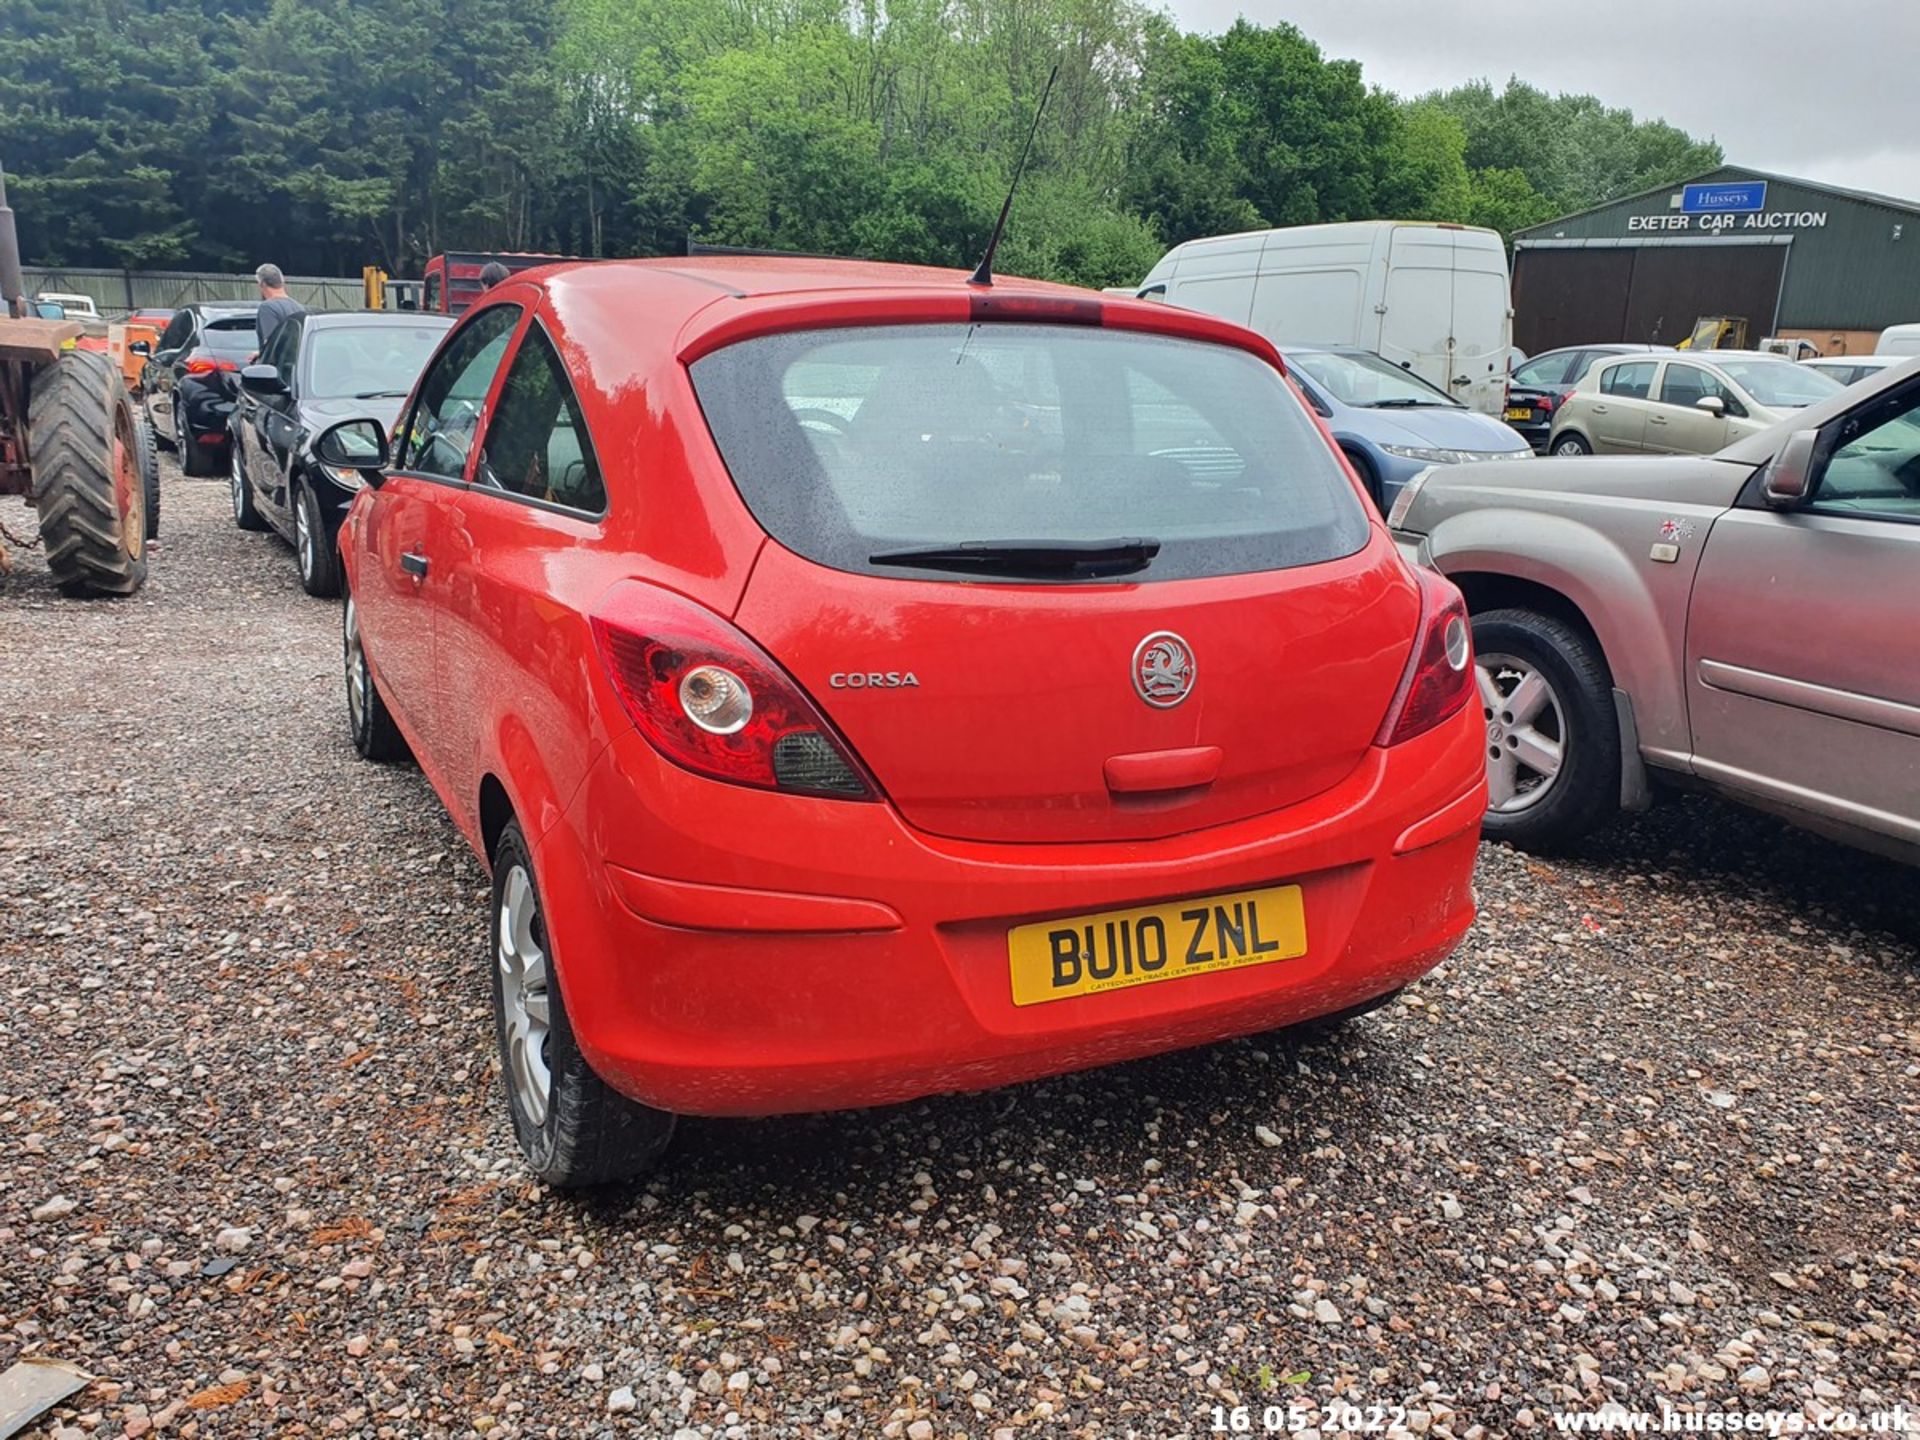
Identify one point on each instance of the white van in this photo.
(1433, 298)
(78, 307)
(1899, 340)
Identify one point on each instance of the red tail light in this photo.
(1546, 402)
(711, 701)
(202, 365)
(1440, 676)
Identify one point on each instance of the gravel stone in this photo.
(243, 991)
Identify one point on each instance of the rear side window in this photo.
(1632, 381)
(230, 335)
(850, 443)
(536, 443)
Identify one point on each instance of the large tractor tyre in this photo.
(88, 483)
(149, 469)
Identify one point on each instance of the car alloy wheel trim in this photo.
(525, 1000)
(303, 536)
(238, 479)
(1569, 447)
(357, 677)
(1526, 733)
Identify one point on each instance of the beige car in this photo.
(1682, 404)
(1742, 623)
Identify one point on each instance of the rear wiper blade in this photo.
(380, 395)
(1028, 557)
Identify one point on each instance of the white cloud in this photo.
(1820, 89)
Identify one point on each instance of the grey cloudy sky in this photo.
(1821, 89)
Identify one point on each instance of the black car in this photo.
(1538, 386)
(187, 382)
(318, 369)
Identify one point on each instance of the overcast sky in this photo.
(1820, 89)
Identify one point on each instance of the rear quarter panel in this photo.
(1585, 528)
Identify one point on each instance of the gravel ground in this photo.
(1651, 1135)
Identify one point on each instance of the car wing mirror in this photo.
(357, 445)
(1791, 474)
(140, 347)
(1712, 404)
(262, 380)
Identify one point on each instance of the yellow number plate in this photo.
(1519, 412)
(1087, 954)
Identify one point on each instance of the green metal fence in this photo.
(118, 291)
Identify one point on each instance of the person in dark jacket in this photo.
(492, 274)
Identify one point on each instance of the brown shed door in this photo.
(1674, 285)
(1650, 295)
(1569, 297)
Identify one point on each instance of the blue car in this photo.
(1391, 423)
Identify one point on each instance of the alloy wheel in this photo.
(1569, 447)
(357, 679)
(1526, 733)
(522, 957)
(237, 480)
(303, 538)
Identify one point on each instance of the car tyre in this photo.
(1553, 740)
(1363, 467)
(313, 548)
(375, 735)
(165, 442)
(245, 514)
(148, 454)
(1570, 442)
(574, 1129)
(195, 458)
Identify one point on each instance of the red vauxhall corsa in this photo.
(864, 684)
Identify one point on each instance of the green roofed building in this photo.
(1790, 257)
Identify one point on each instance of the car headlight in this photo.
(1403, 502)
(1440, 456)
(345, 479)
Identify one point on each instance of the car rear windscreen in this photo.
(230, 335)
(851, 443)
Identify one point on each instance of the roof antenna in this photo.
(984, 274)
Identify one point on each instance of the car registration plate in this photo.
(1088, 954)
(1519, 412)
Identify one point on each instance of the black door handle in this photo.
(414, 565)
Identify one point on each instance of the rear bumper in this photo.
(208, 411)
(725, 951)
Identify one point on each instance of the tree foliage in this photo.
(327, 134)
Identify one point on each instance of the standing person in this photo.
(276, 306)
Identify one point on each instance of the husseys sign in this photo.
(1730, 205)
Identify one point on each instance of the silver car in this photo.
(1682, 403)
(1746, 623)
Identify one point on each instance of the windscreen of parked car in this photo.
(1780, 384)
(854, 444)
(230, 335)
(1368, 382)
(361, 362)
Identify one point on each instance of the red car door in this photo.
(404, 570)
(535, 500)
